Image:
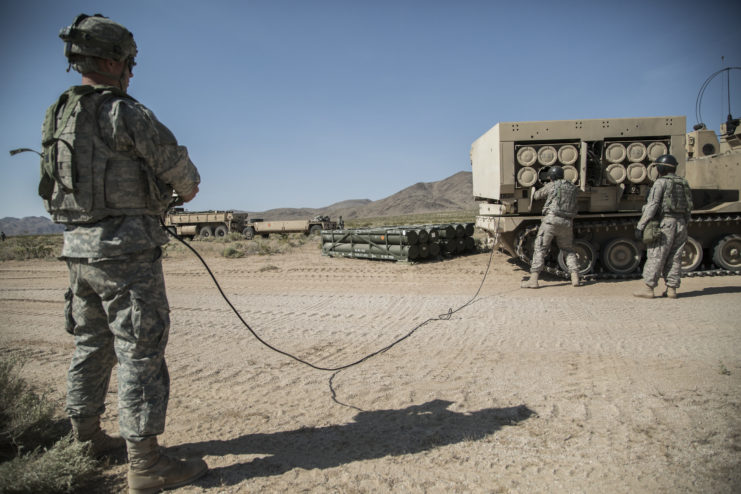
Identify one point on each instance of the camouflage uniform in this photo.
(664, 257)
(119, 306)
(558, 213)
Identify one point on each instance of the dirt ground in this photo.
(559, 389)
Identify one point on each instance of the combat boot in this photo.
(88, 429)
(574, 279)
(532, 282)
(645, 292)
(150, 471)
(671, 292)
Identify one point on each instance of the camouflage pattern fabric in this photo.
(563, 231)
(118, 311)
(560, 198)
(558, 211)
(664, 258)
(113, 237)
(129, 128)
(677, 197)
(121, 314)
(653, 207)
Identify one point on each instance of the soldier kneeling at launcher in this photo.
(558, 222)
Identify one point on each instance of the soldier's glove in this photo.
(638, 234)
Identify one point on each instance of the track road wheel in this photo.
(691, 255)
(621, 256)
(205, 232)
(586, 257)
(727, 253)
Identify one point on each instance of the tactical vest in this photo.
(677, 199)
(83, 180)
(562, 200)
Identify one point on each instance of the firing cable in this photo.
(441, 317)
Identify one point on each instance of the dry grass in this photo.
(36, 454)
(24, 247)
(235, 246)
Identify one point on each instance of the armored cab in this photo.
(611, 161)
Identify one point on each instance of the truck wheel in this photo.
(315, 230)
(205, 232)
(249, 233)
(221, 231)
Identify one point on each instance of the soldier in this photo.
(670, 202)
(109, 170)
(558, 213)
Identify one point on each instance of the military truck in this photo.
(612, 162)
(220, 223)
(308, 227)
(206, 223)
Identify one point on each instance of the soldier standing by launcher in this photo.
(108, 173)
(558, 213)
(670, 202)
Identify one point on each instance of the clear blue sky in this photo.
(300, 103)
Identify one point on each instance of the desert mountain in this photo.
(450, 194)
(29, 225)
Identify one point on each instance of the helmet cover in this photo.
(98, 36)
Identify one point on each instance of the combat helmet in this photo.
(98, 36)
(666, 163)
(555, 173)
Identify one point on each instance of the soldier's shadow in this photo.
(372, 434)
(710, 291)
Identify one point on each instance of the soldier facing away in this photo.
(670, 202)
(109, 170)
(558, 222)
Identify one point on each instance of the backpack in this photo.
(677, 198)
(83, 180)
(562, 200)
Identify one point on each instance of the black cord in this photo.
(441, 317)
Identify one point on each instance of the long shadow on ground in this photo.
(373, 434)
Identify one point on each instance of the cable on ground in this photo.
(441, 317)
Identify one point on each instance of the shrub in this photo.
(23, 247)
(234, 251)
(62, 468)
(32, 461)
(26, 418)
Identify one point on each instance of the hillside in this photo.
(38, 225)
(450, 194)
